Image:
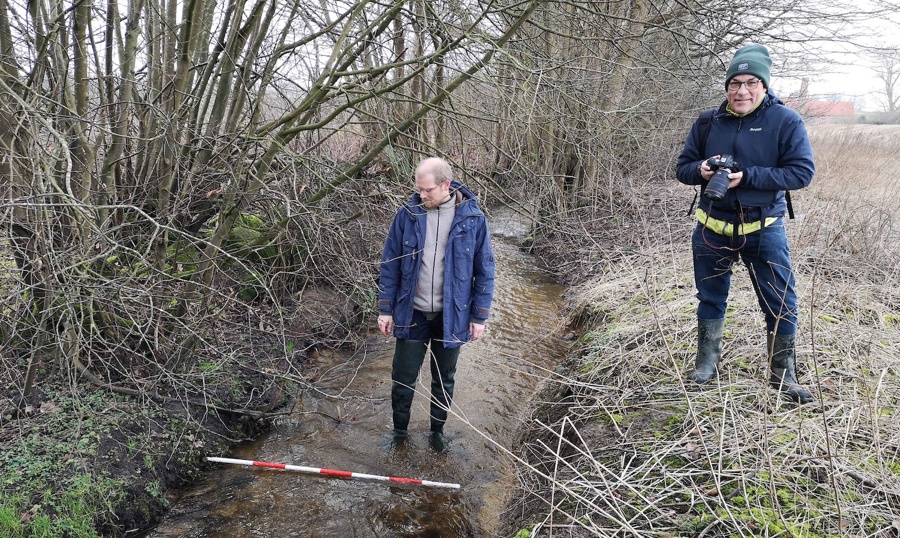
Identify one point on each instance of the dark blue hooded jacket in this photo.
(771, 146)
(468, 267)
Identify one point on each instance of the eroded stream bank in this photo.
(342, 424)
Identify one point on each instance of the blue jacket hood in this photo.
(416, 201)
(770, 95)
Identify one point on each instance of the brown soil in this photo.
(152, 444)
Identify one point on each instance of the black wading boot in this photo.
(709, 349)
(439, 443)
(443, 374)
(783, 376)
(408, 357)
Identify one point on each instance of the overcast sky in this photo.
(843, 69)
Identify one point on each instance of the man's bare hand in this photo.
(705, 171)
(476, 330)
(386, 324)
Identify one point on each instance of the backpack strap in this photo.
(704, 122)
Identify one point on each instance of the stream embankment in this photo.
(343, 418)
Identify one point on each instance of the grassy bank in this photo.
(82, 461)
(621, 446)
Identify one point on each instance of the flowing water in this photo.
(343, 424)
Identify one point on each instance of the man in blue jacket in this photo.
(771, 149)
(435, 290)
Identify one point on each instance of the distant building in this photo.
(821, 111)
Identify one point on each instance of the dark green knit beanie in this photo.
(751, 60)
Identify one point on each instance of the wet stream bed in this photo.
(344, 421)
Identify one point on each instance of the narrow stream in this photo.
(346, 423)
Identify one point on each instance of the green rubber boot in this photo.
(783, 377)
(709, 349)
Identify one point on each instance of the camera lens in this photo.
(718, 184)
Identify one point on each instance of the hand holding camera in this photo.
(721, 165)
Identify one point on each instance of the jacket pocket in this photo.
(463, 257)
(409, 253)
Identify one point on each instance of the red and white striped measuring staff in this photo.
(335, 473)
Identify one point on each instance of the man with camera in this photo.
(752, 150)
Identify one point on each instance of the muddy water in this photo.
(343, 422)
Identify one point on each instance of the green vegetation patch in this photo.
(93, 462)
(48, 487)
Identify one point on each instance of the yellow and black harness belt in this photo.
(727, 229)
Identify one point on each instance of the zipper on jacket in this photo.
(734, 145)
(434, 261)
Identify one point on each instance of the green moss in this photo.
(585, 368)
(894, 466)
(208, 366)
(696, 524)
(637, 300)
(611, 418)
(784, 438)
(248, 240)
(590, 337)
(670, 294)
(675, 421)
(253, 285)
(675, 462)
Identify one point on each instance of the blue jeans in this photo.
(768, 259)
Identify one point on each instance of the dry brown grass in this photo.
(851, 210)
(622, 447)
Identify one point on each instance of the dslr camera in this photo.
(718, 184)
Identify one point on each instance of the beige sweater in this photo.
(430, 290)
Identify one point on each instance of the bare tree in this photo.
(596, 98)
(888, 71)
(135, 146)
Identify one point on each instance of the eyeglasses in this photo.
(427, 192)
(751, 84)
